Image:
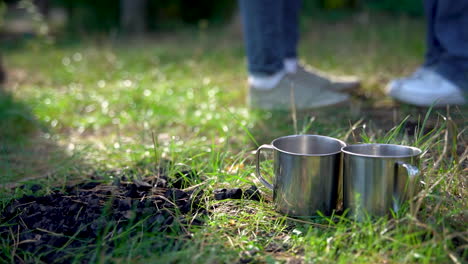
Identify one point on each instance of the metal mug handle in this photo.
(257, 170)
(404, 188)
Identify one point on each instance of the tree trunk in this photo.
(133, 16)
(43, 6)
(2, 74)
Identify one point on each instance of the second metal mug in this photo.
(378, 178)
(306, 173)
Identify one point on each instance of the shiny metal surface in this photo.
(306, 169)
(378, 178)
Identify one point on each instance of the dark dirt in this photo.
(77, 216)
(251, 194)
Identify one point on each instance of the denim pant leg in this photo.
(291, 27)
(447, 39)
(433, 47)
(263, 26)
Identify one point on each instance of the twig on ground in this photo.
(424, 193)
(444, 151)
(165, 199)
(15, 243)
(155, 149)
(293, 108)
(49, 232)
(78, 214)
(353, 127)
(195, 186)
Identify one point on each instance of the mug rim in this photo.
(419, 151)
(342, 143)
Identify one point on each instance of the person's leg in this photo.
(451, 32)
(265, 38)
(444, 74)
(291, 12)
(433, 47)
(262, 24)
(314, 77)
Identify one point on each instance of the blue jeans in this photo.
(271, 33)
(447, 39)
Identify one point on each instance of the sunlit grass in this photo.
(121, 103)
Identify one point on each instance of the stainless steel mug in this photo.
(306, 172)
(378, 177)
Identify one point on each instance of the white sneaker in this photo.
(425, 88)
(415, 75)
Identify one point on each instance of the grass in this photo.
(73, 110)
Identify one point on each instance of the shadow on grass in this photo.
(26, 150)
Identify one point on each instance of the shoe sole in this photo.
(424, 101)
(439, 102)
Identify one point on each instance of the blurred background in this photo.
(139, 16)
(53, 20)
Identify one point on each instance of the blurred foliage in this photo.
(192, 11)
(408, 7)
(90, 15)
(104, 15)
(336, 4)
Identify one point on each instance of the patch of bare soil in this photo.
(75, 218)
